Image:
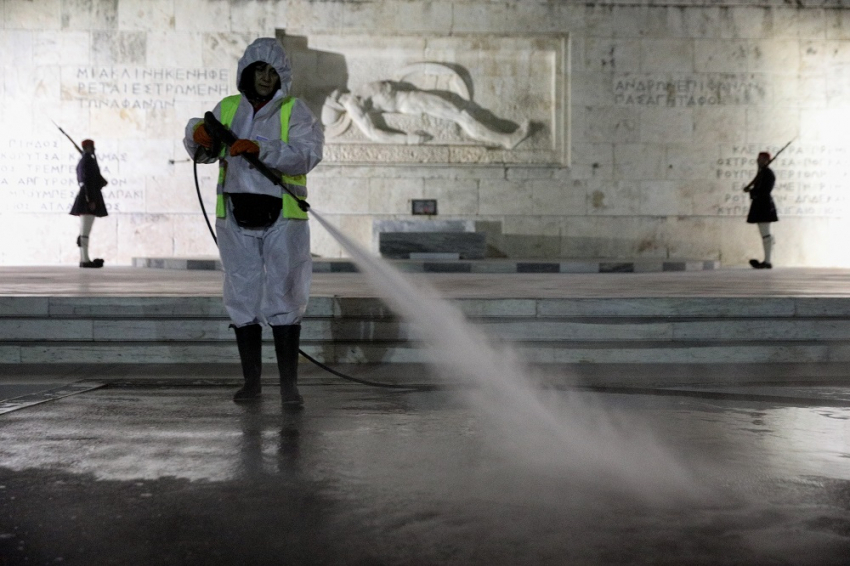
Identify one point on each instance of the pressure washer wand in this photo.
(219, 132)
(78, 148)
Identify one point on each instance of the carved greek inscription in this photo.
(143, 88)
(688, 91)
(810, 180)
(40, 176)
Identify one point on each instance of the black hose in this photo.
(200, 199)
(368, 382)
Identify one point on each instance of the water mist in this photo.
(550, 432)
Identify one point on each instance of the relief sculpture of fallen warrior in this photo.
(365, 105)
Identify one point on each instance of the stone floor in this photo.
(156, 465)
(124, 281)
(179, 475)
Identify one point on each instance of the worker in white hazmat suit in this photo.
(263, 235)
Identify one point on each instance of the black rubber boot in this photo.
(249, 340)
(286, 341)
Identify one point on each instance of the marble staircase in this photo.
(174, 330)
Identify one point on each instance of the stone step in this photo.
(346, 307)
(512, 329)
(411, 352)
(163, 329)
(579, 265)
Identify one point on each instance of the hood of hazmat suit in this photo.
(267, 50)
(298, 155)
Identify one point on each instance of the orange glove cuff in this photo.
(244, 146)
(201, 137)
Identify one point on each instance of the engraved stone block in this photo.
(43, 15)
(399, 245)
(665, 54)
(711, 56)
(150, 15)
(206, 16)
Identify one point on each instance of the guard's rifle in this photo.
(752, 183)
(221, 134)
(78, 148)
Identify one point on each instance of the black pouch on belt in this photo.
(255, 211)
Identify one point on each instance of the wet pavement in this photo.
(146, 471)
(714, 464)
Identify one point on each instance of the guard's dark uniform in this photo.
(762, 208)
(91, 182)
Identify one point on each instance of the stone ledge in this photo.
(401, 245)
(342, 265)
(410, 352)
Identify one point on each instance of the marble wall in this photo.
(646, 118)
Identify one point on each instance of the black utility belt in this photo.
(255, 211)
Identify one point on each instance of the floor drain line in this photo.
(31, 399)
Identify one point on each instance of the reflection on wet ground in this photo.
(181, 475)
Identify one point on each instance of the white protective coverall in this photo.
(267, 272)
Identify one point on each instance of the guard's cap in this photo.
(84, 143)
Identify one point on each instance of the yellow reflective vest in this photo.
(228, 108)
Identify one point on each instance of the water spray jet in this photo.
(572, 436)
(546, 433)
